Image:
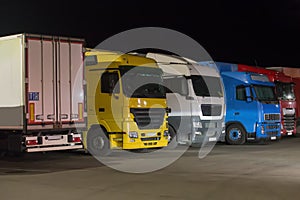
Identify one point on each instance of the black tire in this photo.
(98, 142)
(235, 134)
(173, 143)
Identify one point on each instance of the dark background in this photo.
(241, 31)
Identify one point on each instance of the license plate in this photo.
(150, 134)
(289, 133)
(212, 139)
(54, 137)
(273, 138)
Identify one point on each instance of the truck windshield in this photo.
(285, 91)
(265, 93)
(142, 82)
(207, 86)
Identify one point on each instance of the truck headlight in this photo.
(262, 129)
(196, 122)
(223, 124)
(133, 134)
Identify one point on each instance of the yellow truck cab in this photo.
(126, 103)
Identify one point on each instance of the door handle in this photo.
(64, 116)
(236, 113)
(51, 116)
(101, 109)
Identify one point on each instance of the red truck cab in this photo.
(295, 74)
(284, 86)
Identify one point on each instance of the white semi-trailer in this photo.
(42, 93)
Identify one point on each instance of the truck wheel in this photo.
(172, 139)
(235, 134)
(98, 143)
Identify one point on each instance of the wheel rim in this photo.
(98, 143)
(169, 138)
(235, 134)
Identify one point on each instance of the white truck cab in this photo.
(195, 96)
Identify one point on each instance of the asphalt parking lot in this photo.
(251, 171)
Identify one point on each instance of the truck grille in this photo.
(272, 116)
(211, 109)
(272, 127)
(288, 122)
(148, 118)
(150, 139)
(272, 133)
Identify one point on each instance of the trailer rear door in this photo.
(55, 81)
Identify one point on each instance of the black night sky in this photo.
(265, 32)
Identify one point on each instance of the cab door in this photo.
(246, 108)
(109, 101)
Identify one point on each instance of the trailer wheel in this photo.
(235, 134)
(172, 138)
(98, 143)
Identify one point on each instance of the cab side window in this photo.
(109, 82)
(241, 93)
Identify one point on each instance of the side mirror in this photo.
(168, 110)
(184, 87)
(249, 97)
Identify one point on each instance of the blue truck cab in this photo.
(252, 109)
